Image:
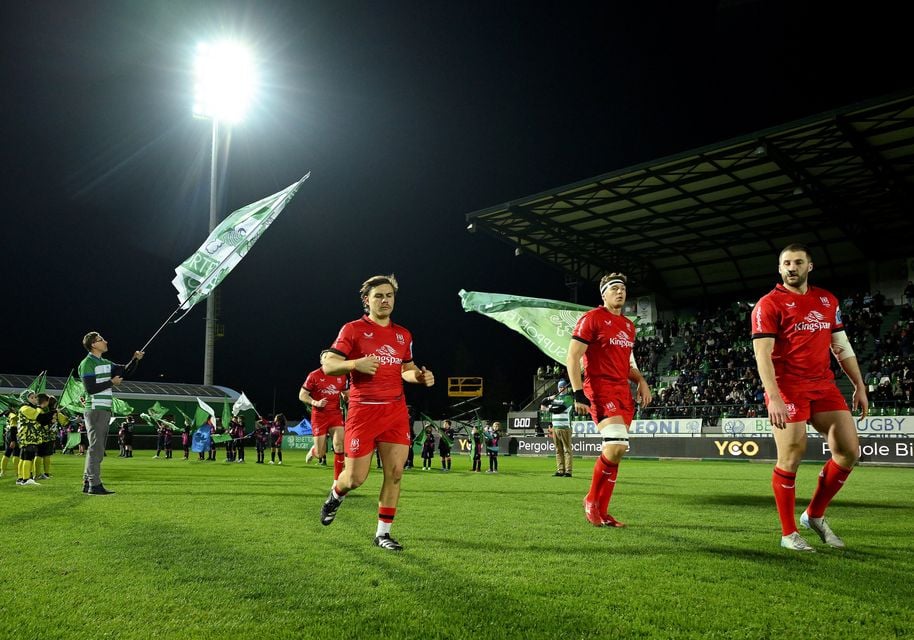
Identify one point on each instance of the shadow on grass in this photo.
(747, 500)
(48, 510)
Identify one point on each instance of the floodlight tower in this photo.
(224, 84)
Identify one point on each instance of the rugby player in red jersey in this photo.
(323, 393)
(605, 338)
(378, 356)
(794, 327)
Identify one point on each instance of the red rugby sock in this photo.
(601, 468)
(339, 461)
(831, 479)
(785, 496)
(606, 490)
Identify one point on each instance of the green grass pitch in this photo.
(217, 550)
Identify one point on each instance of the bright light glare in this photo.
(224, 80)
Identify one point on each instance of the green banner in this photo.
(546, 323)
(227, 245)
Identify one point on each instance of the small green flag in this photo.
(187, 421)
(221, 437)
(441, 431)
(73, 440)
(73, 396)
(120, 408)
(157, 411)
(9, 403)
(420, 440)
(203, 414)
(226, 415)
(39, 384)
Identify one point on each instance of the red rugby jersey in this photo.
(393, 345)
(321, 386)
(610, 339)
(801, 325)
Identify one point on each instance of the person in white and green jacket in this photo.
(560, 406)
(99, 376)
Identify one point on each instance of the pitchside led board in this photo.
(887, 439)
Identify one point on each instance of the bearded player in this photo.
(793, 329)
(378, 356)
(605, 339)
(323, 392)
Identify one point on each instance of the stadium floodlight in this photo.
(225, 81)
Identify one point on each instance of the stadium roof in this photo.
(710, 221)
(13, 383)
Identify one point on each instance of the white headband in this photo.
(607, 285)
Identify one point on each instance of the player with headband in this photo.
(604, 339)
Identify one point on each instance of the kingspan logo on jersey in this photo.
(814, 321)
(330, 390)
(388, 355)
(622, 339)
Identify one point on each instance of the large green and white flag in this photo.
(227, 245)
(546, 323)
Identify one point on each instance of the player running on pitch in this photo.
(378, 355)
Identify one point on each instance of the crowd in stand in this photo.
(890, 373)
(715, 371)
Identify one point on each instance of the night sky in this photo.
(408, 114)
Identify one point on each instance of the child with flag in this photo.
(48, 431)
(185, 440)
(29, 434)
(492, 438)
(11, 442)
(261, 434)
(428, 447)
(277, 431)
(445, 442)
(238, 436)
(476, 443)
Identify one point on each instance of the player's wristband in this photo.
(580, 398)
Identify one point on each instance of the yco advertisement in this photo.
(882, 450)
